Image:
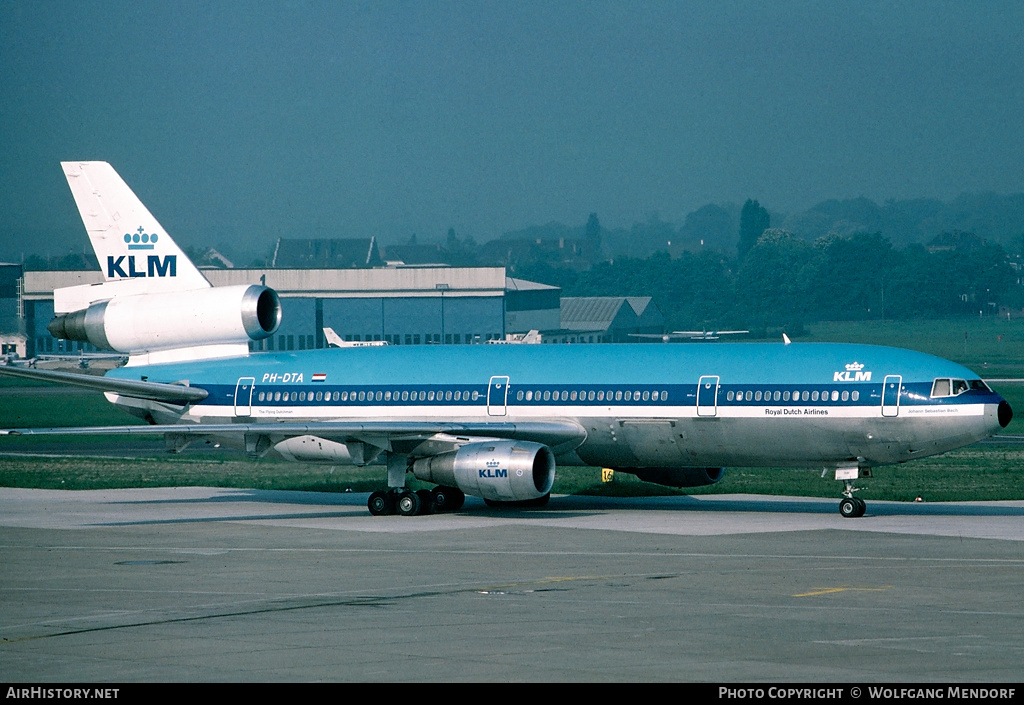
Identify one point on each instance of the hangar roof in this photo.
(324, 283)
(601, 313)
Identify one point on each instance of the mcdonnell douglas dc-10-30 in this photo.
(486, 420)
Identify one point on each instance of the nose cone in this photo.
(1005, 414)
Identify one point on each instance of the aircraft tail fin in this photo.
(333, 339)
(129, 242)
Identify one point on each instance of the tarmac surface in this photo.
(201, 584)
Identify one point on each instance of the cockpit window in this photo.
(940, 388)
(943, 387)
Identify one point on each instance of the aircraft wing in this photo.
(380, 434)
(157, 391)
(557, 431)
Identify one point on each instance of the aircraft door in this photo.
(497, 396)
(707, 396)
(891, 395)
(243, 396)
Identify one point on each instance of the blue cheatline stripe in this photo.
(526, 396)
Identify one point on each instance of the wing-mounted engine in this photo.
(679, 477)
(146, 323)
(503, 471)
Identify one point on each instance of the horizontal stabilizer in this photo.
(156, 391)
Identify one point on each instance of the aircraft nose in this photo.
(1005, 414)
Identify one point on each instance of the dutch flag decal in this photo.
(320, 377)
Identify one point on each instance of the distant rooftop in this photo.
(601, 313)
(327, 253)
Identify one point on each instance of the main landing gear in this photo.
(408, 503)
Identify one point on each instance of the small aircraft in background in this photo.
(334, 341)
(689, 335)
(531, 338)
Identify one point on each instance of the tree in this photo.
(592, 233)
(754, 220)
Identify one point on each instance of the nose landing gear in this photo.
(851, 507)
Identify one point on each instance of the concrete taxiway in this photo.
(200, 584)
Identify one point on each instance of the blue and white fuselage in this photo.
(639, 405)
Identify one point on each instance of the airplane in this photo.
(485, 420)
(688, 335)
(334, 341)
(532, 337)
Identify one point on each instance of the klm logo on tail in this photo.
(140, 240)
(154, 265)
(168, 267)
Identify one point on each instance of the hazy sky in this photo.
(388, 118)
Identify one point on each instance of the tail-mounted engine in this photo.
(166, 321)
(503, 471)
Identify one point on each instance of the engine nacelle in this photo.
(166, 321)
(679, 477)
(503, 471)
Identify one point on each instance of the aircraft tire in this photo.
(408, 504)
(381, 504)
(447, 499)
(862, 506)
(848, 508)
(426, 501)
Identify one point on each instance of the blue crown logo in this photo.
(140, 240)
